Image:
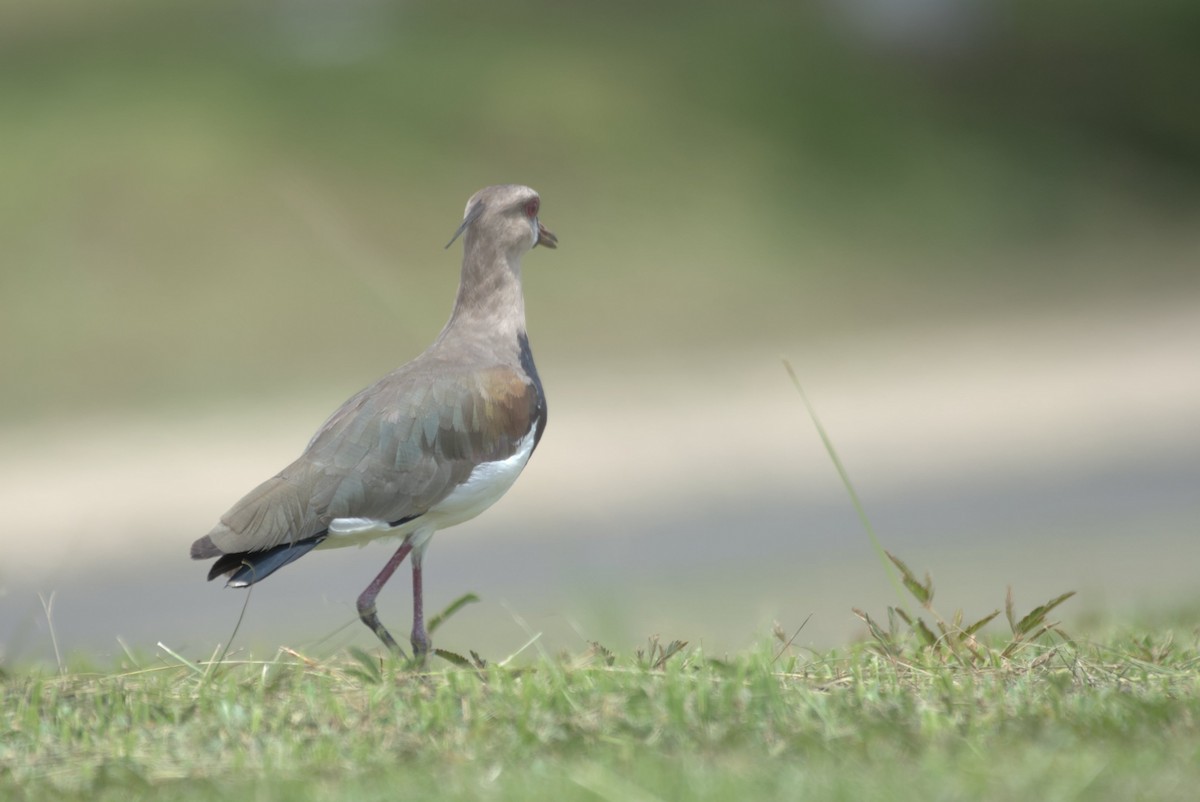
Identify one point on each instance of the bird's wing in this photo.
(390, 453)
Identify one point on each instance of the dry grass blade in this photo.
(195, 669)
(48, 609)
(673, 648)
(308, 661)
(656, 655)
(595, 648)
(787, 643)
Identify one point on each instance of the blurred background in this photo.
(972, 227)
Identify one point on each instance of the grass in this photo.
(905, 714)
(927, 706)
(138, 164)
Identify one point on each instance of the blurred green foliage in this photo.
(219, 198)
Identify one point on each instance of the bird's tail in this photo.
(247, 567)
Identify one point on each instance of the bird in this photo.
(428, 446)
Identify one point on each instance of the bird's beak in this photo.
(545, 238)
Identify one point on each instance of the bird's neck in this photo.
(489, 295)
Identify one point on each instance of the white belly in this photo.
(483, 488)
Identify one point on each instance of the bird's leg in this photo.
(366, 601)
(420, 638)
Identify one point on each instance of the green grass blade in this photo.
(453, 658)
(1008, 610)
(371, 670)
(1037, 615)
(452, 608)
(921, 591)
(981, 623)
(883, 639)
(845, 477)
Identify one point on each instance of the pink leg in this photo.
(366, 601)
(420, 638)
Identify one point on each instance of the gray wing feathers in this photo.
(273, 513)
(391, 452)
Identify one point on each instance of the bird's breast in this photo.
(483, 488)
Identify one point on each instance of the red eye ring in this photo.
(531, 208)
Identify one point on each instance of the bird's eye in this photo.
(531, 208)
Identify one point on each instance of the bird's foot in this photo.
(371, 619)
(421, 647)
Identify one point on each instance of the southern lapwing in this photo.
(430, 445)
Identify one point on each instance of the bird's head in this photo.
(506, 214)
